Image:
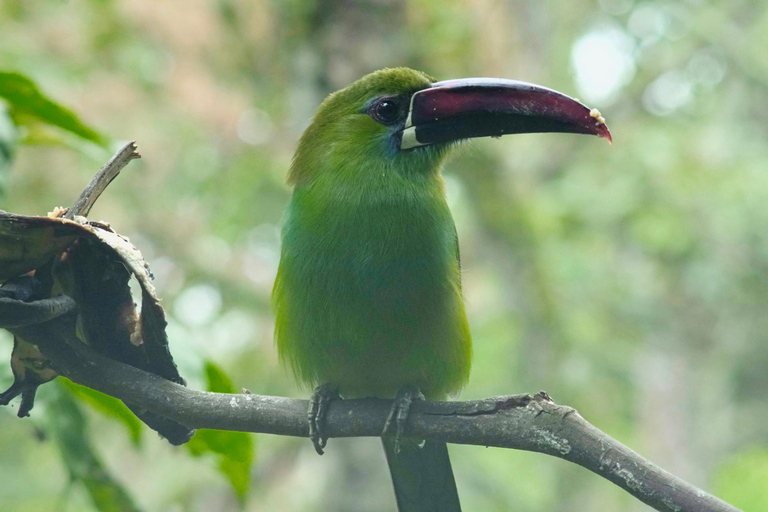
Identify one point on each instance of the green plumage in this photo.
(368, 293)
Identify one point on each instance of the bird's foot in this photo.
(399, 412)
(318, 410)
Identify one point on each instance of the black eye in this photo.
(386, 110)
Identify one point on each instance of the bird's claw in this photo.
(399, 412)
(318, 410)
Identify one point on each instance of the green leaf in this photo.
(8, 139)
(28, 104)
(235, 449)
(83, 464)
(108, 406)
(238, 472)
(217, 380)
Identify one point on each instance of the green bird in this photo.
(368, 298)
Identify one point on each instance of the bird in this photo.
(368, 298)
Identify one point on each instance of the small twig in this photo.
(103, 178)
(523, 422)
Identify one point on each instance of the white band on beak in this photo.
(409, 139)
(409, 132)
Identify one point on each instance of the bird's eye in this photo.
(386, 110)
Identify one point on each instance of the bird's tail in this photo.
(422, 477)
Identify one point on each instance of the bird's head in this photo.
(401, 120)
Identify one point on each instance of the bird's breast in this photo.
(373, 292)
(388, 252)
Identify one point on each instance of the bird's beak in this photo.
(490, 107)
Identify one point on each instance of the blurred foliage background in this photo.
(629, 281)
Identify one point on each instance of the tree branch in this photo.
(16, 313)
(102, 179)
(523, 422)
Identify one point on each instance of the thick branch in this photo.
(15, 313)
(523, 422)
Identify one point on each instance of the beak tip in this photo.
(606, 134)
(602, 128)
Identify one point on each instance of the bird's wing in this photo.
(458, 252)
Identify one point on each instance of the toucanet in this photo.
(368, 298)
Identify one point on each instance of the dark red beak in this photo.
(491, 107)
